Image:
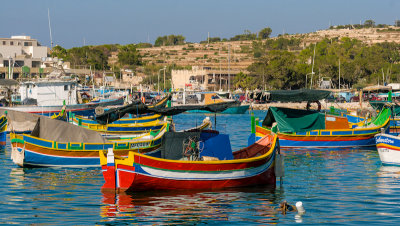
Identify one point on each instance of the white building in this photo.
(22, 46)
(20, 51)
(49, 92)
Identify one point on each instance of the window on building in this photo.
(4, 43)
(35, 64)
(27, 43)
(19, 63)
(19, 43)
(11, 43)
(65, 87)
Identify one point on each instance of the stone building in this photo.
(205, 79)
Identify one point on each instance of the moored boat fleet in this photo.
(137, 147)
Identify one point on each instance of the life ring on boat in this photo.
(309, 105)
(143, 99)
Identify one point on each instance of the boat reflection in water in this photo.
(177, 207)
(388, 179)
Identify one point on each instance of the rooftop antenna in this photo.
(51, 37)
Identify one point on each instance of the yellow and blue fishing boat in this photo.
(312, 129)
(84, 121)
(132, 128)
(3, 130)
(56, 143)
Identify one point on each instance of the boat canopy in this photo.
(298, 95)
(294, 120)
(60, 131)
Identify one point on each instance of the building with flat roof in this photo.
(24, 54)
(200, 78)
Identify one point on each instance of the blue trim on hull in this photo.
(36, 159)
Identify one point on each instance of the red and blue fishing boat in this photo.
(201, 161)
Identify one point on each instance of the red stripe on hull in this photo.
(388, 147)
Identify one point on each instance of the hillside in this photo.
(215, 55)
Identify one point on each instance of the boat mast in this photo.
(339, 74)
(312, 68)
(219, 54)
(51, 37)
(229, 67)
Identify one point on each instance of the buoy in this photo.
(300, 208)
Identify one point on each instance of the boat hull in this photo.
(139, 172)
(28, 151)
(3, 128)
(388, 148)
(333, 139)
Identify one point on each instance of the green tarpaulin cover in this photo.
(298, 95)
(294, 120)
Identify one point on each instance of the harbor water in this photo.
(348, 186)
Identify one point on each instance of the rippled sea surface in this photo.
(335, 186)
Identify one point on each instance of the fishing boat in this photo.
(87, 122)
(395, 119)
(312, 129)
(193, 161)
(388, 148)
(55, 143)
(47, 96)
(117, 137)
(306, 129)
(125, 128)
(206, 98)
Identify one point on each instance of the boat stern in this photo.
(107, 163)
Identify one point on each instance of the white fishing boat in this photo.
(48, 96)
(388, 148)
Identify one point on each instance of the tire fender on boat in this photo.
(309, 105)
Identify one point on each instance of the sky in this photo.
(76, 23)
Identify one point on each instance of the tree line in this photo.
(360, 64)
(97, 56)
